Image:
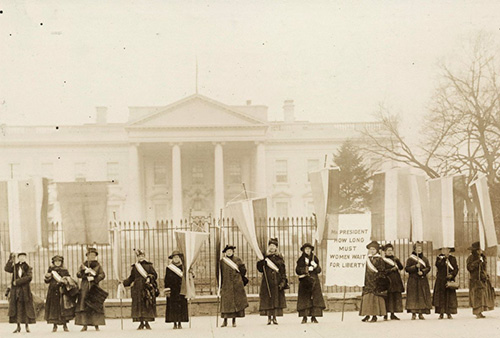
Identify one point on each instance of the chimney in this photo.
(288, 110)
(101, 115)
(249, 102)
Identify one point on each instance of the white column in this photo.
(219, 200)
(260, 169)
(134, 196)
(176, 185)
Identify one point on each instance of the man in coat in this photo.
(91, 273)
(21, 309)
(418, 292)
(177, 306)
(310, 300)
(143, 280)
(445, 299)
(273, 285)
(233, 280)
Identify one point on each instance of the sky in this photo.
(338, 60)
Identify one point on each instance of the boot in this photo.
(224, 323)
(54, 328)
(304, 320)
(18, 329)
(374, 319)
(175, 326)
(413, 316)
(179, 326)
(141, 326)
(421, 316)
(480, 315)
(441, 316)
(269, 320)
(449, 316)
(314, 320)
(84, 328)
(97, 328)
(385, 317)
(234, 322)
(65, 328)
(27, 327)
(147, 326)
(393, 317)
(365, 319)
(275, 322)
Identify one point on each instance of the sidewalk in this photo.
(464, 325)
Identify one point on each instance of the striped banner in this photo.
(391, 215)
(482, 202)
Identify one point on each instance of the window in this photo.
(282, 209)
(312, 165)
(14, 170)
(197, 173)
(234, 173)
(80, 171)
(113, 171)
(48, 170)
(160, 173)
(281, 170)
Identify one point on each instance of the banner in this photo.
(325, 187)
(390, 209)
(481, 198)
(84, 212)
(190, 243)
(24, 209)
(419, 209)
(247, 214)
(346, 255)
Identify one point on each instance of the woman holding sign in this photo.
(418, 292)
(372, 299)
(274, 283)
(310, 300)
(393, 267)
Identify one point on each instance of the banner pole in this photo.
(189, 311)
(343, 303)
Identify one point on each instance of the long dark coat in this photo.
(375, 281)
(21, 309)
(85, 315)
(277, 281)
(55, 310)
(394, 300)
(443, 299)
(143, 309)
(481, 293)
(310, 294)
(418, 292)
(233, 295)
(177, 307)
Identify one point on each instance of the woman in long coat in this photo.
(393, 267)
(56, 312)
(177, 307)
(21, 309)
(481, 293)
(310, 300)
(273, 285)
(445, 299)
(418, 292)
(143, 280)
(372, 301)
(91, 273)
(233, 295)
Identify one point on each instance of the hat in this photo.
(387, 246)
(21, 254)
(57, 258)
(228, 247)
(92, 250)
(446, 247)
(475, 246)
(306, 245)
(273, 241)
(417, 243)
(373, 244)
(175, 253)
(139, 252)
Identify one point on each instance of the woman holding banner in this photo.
(372, 299)
(444, 298)
(144, 291)
(418, 292)
(310, 300)
(177, 306)
(273, 285)
(481, 293)
(233, 281)
(393, 267)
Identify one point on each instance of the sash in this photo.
(389, 261)
(231, 264)
(419, 260)
(175, 269)
(271, 264)
(92, 271)
(141, 270)
(370, 265)
(57, 276)
(449, 265)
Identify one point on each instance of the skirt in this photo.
(394, 302)
(274, 312)
(311, 312)
(372, 305)
(239, 314)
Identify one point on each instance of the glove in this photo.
(311, 268)
(313, 263)
(90, 278)
(281, 286)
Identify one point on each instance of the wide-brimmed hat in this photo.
(57, 258)
(475, 246)
(175, 253)
(373, 244)
(228, 247)
(92, 250)
(447, 247)
(306, 245)
(273, 241)
(21, 254)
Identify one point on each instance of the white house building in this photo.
(187, 158)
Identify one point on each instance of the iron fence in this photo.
(158, 241)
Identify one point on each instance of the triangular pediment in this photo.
(197, 111)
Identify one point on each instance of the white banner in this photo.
(346, 256)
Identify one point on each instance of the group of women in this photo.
(381, 296)
(382, 293)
